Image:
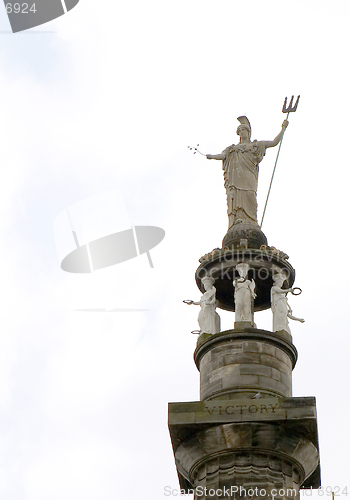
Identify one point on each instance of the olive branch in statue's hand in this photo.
(196, 150)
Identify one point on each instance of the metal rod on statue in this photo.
(285, 109)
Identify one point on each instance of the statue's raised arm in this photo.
(277, 139)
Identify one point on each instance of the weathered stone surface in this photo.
(277, 363)
(244, 410)
(248, 340)
(250, 232)
(257, 361)
(257, 369)
(284, 429)
(247, 429)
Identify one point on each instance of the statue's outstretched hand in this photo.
(209, 157)
(285, 124)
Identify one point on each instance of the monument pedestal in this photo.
(266, 444)
(247, 432)
(243, 362)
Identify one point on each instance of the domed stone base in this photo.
(244, 235)
(264, 263)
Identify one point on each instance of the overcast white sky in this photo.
(110, 99)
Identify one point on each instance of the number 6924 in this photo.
(20, 8)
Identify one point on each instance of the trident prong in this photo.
(291, 108)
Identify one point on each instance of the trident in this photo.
(285, 109)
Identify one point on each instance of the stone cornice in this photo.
(282, 340)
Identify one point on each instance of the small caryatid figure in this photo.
(244, 295)
(208, 318)
(281, 310)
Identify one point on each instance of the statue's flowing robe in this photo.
(280, 309)
(244, 299)
(208, 318)
(241, 169)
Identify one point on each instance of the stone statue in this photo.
(244, 295)
(240, 164)
(281, 310)
(208, 318)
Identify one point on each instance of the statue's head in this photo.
(279, 279)
(244, 127)
(208, 282)
(242, 269)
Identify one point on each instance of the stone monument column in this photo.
(247, 432)
(247, 436)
